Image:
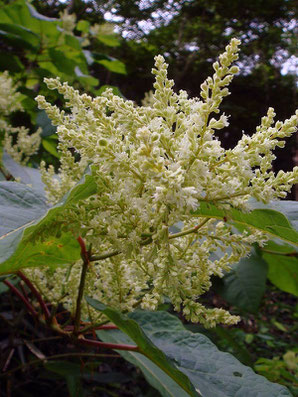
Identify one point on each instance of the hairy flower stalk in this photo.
(153, 165)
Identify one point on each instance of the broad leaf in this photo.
(282, 266)
(29, 232)
(63, 63)
(51, 147)
(113, 66)
(212, 372)
(44, 122)
(266, 220)
(25, 34)
(110, 40)
(85, 78)
(147, 348)
(245, 284)
(288, 207)
(27, 175)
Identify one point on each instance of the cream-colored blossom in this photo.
(68, 21)
(18, 142)
(153, 165)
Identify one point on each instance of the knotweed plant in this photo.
(18, 142)
(154, 165)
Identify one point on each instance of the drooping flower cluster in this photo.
(153, 165)
(18, 142)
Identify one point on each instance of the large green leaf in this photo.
(288, 207)
(245, 284)
(23, 14)
(270, 221)
(30, 233)
(85, 78)
(44, 122)
(110, 40)
(27, 175)
(62, 61)
(147, 348)
(31, 38)
(113, 65)
(282, 266)
(212, 372)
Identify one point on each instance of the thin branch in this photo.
(104, 255)
(7, 176)
(189, 231)
(36, 294)
(86, 262)
(25, 301)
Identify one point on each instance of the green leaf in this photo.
(37, 15)
(23, 14)
(287, 207)
(113, 66)
(245, 284)
(110, 40)
(85, 79)
(62, 61)
(15, 40)
(282, 266)
(214, 373)
(43, 121)
(27, 175)
(83, 26)
(51, 147)
(266, 220)
(10, 62)
(73, 42)
(23, 33)
(147, 348)
(30, 233)
(71, 372)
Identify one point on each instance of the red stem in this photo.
(107, 326)
(84, 252)
(102, 327)
(114, 346)
(26, 302)
(37, 295)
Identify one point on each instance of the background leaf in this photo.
(244, 286)
(132, 329)
(282, 266)
(27, 175)
(211, 371)
(113, 66)
(31, 235)
(266, 220)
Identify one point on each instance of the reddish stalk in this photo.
(25, 301)
(85, 256)
(101, 327)
(104, 345)
(36, 293)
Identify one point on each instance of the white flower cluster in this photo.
(18, 142)
(153, 165)
(68, 21)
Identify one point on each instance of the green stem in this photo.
(294, 253)
(188, 231)
(104, 256)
